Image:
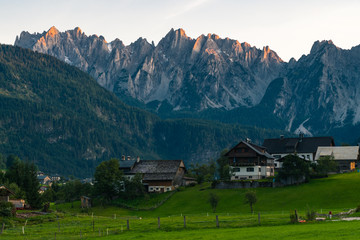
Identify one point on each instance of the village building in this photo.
(250, 161)
(346, 157)
(55, 178)
(44, 180)
(304, 147)
(157, 175)
(5, 194)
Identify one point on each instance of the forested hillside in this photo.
(60, 118)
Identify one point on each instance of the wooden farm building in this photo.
(5, 194)
(250, 161)
(157, 175)
(346, 157)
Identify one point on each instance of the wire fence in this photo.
(90, 226)
(87, 226)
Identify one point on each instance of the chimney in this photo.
(137, 159)
(123, 157)
(128, 158)
(301, 136)
(248, 140)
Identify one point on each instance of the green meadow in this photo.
(336, 193)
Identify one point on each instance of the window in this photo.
(308, 157)
(157, 189)
(250, 169)
(259, 169)
(250, 177)
(236, 177)
(236, 169)
(168, 188)
(151, 189)
(276, 164)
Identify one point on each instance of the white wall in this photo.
(258, 173)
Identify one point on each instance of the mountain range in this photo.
(57, 116)
(220, 79)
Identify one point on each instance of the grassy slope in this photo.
(336, 193)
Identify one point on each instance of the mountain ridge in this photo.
(209, 77)
(56, 115)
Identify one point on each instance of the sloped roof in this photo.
(298, 145)
(157, 166)
(127, 163)
(41, 177)
(339, 153)
(260, 150)
(3, 188)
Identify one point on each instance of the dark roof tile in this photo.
(298, 145)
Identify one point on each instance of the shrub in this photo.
(310, 215)
(357, 208)
(214, 183)
(213, 200)
(293, 218)
(7, 209)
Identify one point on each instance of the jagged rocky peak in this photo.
(318, 45)
(52, 32)
(205, 66)
(175, 39)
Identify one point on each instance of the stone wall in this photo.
(245, 184)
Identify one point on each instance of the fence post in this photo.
(159, 222)
(184, 221)
(217, 221)
(259, 218)
(128, 225)
(2, 228)
(296, 216)
(58, 226)
(93, 223)
(23, 230)
(107, 232)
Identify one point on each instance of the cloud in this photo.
(188, 7)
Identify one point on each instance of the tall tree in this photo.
(223, 166)
(31, 186)
(108, 179)
(294, 169)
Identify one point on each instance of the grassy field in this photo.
(319, 231)
(336, 193)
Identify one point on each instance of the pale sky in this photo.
(289, 27)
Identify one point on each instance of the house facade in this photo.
(250, 161)
(346, 157)
(304, 147)
(157, 175)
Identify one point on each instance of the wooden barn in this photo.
(159, 175)
(250, 161)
